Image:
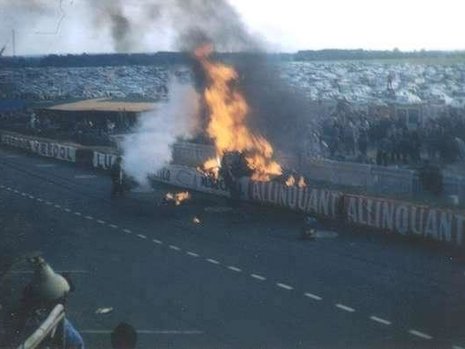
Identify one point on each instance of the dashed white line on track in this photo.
(380, 320)
(313, 296)
(344, 307)
(236, 269)
(85, 176)
(340, 306)
(284, 286)
(258, 277)
(420, 334)
(46, 165)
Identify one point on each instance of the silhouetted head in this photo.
(124, 336)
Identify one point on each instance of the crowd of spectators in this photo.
(386, 140)
(347, 133)
(87, 130)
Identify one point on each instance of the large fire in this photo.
(228, 111)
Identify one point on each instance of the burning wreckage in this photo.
(239, 151)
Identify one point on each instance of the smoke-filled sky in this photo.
(75, 26)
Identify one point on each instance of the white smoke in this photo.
(148, 148)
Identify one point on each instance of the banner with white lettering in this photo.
(320, 202)
(40, 147)
(406, 218)
(190, 178)
(16, 141)
(54, 150)
(103, 160)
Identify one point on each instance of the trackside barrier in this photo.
(454, 185)
(380, 214)
(373, 178)
(41, 146)
(321, 202)
(54, 149)
(103, 160)
(376, 179)
(47, 330)
(190, 178)
(404, 218)
(192, 155)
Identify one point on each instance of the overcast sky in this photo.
(370, 24)
(288, 25)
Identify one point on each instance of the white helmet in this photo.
(47, 286)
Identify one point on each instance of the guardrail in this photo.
(379, 214)
(41, 146)
(372, 178)
(454, 185)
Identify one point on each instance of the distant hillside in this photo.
(95, 60)
(160, 58)
(340, 55)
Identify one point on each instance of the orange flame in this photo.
(211, 167)
(228, 111)
(178, 198)
(290, 182)
(302, 183)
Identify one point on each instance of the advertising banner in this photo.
(406, 218)
(103, 160)
(41, 147)
(320, 202)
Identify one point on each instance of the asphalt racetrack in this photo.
(241, 278)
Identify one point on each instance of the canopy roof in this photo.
(103, 104)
